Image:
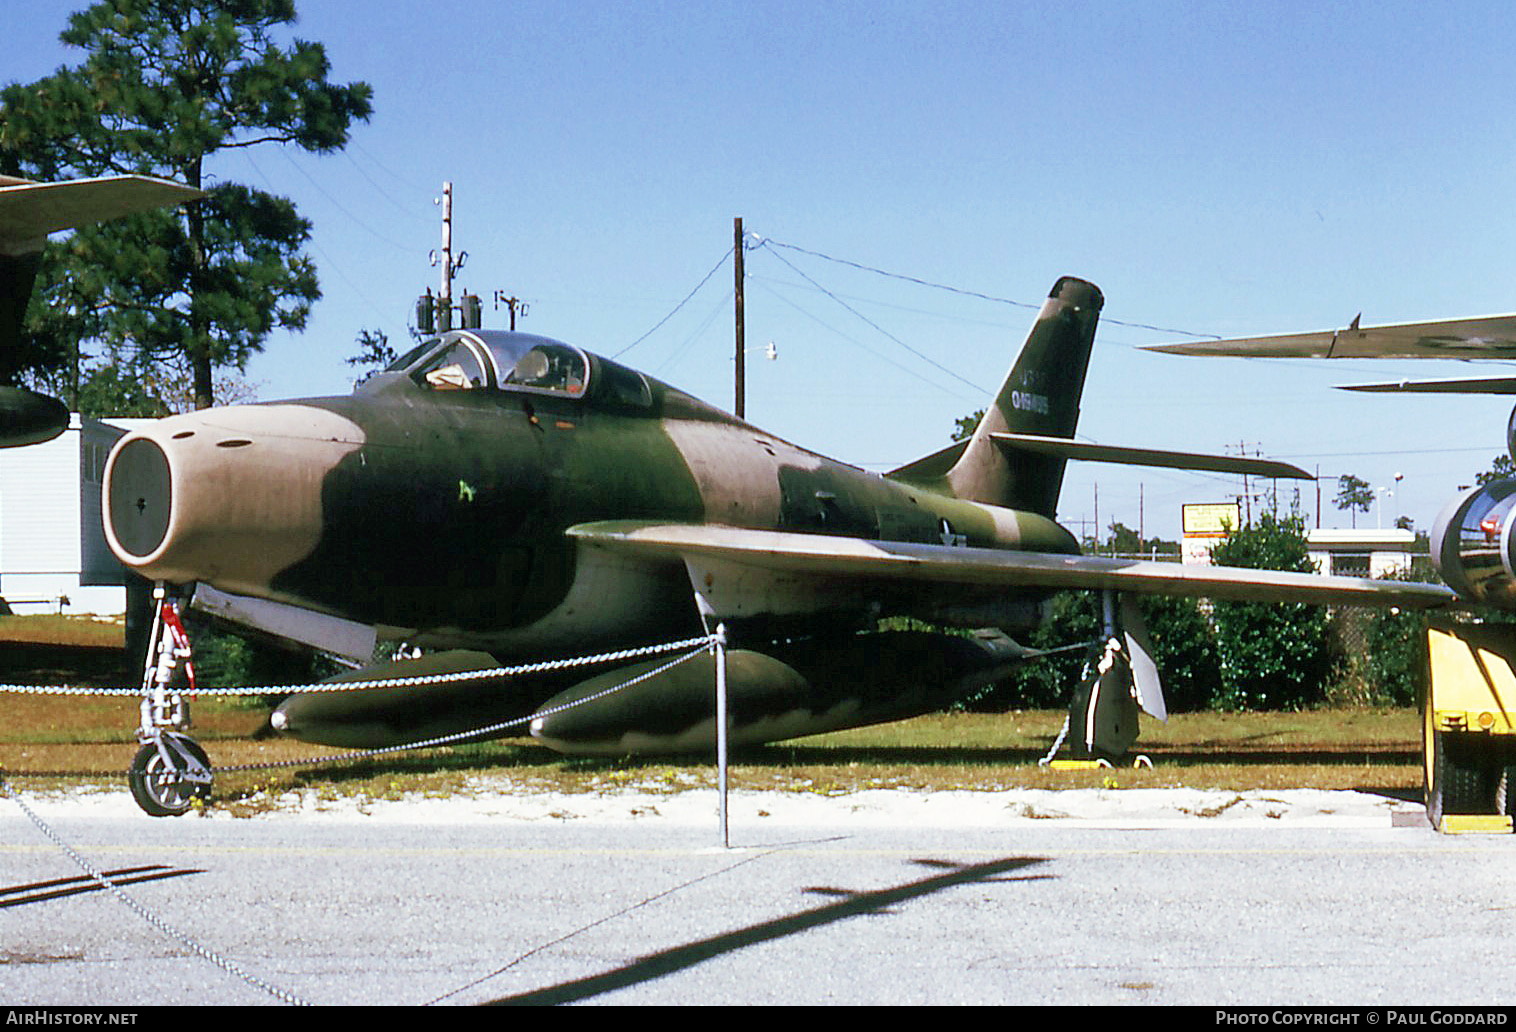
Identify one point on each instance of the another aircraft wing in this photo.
(1460, 385)
(744, 572)
(1491, 336)
(30, 211)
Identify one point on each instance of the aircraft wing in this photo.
(1459, 385)
(741, 572)
(1491, 336)
(30, 211)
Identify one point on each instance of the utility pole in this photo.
(435, 315)
(445, 290)
(741, 374)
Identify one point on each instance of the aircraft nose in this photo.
(230, 496)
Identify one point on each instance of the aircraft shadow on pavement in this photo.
(57, 888)
(854, 904)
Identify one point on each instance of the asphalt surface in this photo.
(1338, 900)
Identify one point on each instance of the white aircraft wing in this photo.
(1491, 336)
(30, 211)
(739, 572)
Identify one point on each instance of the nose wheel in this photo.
(167, 775)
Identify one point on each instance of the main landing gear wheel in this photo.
(164, 788)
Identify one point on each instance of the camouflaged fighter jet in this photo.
(29, 211)
(506, 497)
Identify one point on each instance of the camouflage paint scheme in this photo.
(511, 494)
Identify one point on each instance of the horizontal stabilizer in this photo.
(1461, 385)
(1490, 336)
(929, 467)
(1067, 449)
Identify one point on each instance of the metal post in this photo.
(738, 305)
(720, 648)
(445, 303)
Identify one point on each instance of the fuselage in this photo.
(433, 502)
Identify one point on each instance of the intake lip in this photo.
(141, 497)
(230, 497)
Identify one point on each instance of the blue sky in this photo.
(1216, 168)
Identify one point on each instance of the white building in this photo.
(53, 555)
(1360, 553)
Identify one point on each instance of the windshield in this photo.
(404, 361)
(457, 367)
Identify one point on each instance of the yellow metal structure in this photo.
(1475, 824)
(1468, 724)
(1473, 679)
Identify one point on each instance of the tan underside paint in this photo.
(246, 499)
(735, 469)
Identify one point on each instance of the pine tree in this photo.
(166, 85)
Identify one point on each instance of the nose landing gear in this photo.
(170, 770)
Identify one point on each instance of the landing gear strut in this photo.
(170, 771)
(1119, 680)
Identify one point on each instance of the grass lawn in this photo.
(1375, 750)
(93, 739)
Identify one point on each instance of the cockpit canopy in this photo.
(500, 360)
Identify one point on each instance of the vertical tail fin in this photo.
(1040, 396)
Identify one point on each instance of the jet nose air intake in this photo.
(230, 496)
(140, 497)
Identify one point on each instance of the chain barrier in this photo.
(387, 682)
(704, 644)
(140, 910)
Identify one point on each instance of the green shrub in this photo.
(1273, 655)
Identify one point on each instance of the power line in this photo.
(338, 205)
(915, 376)
(676, 308)
(966, 293)
(978, 388)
